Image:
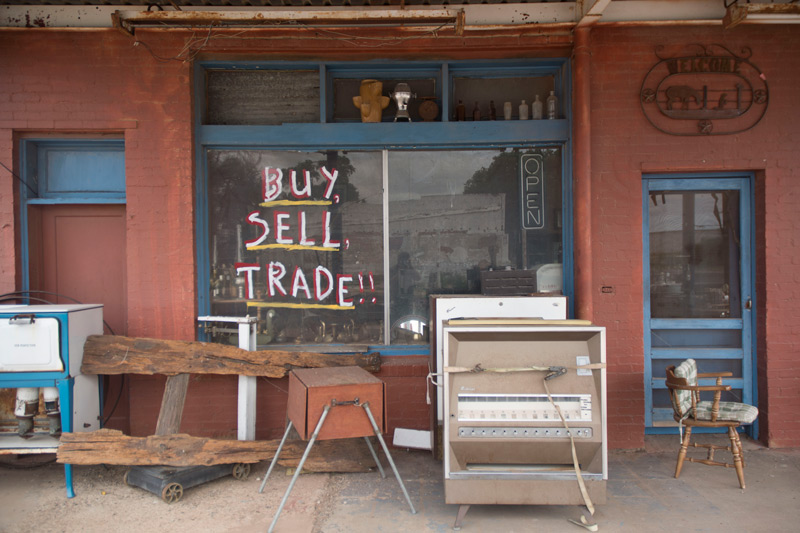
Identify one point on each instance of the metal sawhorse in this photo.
(326, 409)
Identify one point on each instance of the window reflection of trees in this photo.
(446, 235)
(235, 188)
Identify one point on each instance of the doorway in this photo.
(698, 285)
(77, 253)
(73, 224)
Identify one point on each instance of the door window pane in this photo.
(694, 254)
(296, 239)
(454, 213)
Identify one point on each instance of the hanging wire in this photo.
(33, 192)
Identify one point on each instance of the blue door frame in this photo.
(714, 340)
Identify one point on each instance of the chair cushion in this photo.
(688, 371)
(740, 412)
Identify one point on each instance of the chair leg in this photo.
(741, 451)
(684, 447)
(736, 448)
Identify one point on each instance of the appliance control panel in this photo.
(523, 407)
(524, 432)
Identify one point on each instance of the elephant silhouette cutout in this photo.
(682, 94)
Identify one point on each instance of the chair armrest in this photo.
(701, 387)
(711, 387)
(715, 375)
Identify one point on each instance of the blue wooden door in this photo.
(698, 284)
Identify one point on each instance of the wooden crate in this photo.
(311, 389)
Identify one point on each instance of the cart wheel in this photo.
(125, 478)
(172, 493)
(241, 471)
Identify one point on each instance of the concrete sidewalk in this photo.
(642, 497)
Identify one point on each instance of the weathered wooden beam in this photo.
(112, 447)
(114, 354)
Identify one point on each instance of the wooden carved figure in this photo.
(370, 101)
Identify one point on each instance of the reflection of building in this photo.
(361, 225)
(447, 236)
(691, 242)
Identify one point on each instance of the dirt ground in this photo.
(643, 495)
(33, 498)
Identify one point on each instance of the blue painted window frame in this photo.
(700, 181)
(442, 135)
(34, 188)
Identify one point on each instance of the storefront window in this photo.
(297, 238)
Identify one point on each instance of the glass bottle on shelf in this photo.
(476, 112)
(536, 108)
(552, 106)
(523, 110)
(507, 111)
(461, 111)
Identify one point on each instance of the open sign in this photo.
(532, 197)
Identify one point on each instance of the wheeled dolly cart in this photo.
(169, 482)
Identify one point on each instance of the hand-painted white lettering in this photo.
(319, 273)
(254, 219)
(326, 231)
(248, 269)
(273, 183)
(281, 227)
(299, 283)
(331, 177)
(305, 191)
(275, 272)
(303, 240)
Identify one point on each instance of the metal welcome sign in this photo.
(713, 92)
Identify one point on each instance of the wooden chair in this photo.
(689, 411)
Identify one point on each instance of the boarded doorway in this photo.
(77, 252)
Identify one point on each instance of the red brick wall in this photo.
(69, 82)
(8, 270)
(63, 83)
(625, 146)
(60, 83)
(210, 408)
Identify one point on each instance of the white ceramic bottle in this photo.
(536, 108)
(552, 106)
(523, 111)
